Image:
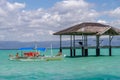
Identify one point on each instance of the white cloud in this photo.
(102, 21)
(2, 12)
(14, 6)
(51, 32)
(28, 23)
(71, 12)
(2, 37)
(27, 35)
(67, 5)
(113, 17)
(115, 12)
(115, 23)
(39, 24)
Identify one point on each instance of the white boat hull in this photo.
(53, 58)
(46, 58)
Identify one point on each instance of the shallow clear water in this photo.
(82, 68)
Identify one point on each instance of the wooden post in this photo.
(110, 51)
(74, 50)
(110, 48)
(82, 50)
(97, 46)
(83, 40)
(83, 46)
(86, 49)
(60, 43)
(71, 46)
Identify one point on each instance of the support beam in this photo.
(97, 46)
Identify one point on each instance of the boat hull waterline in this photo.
(41, 58)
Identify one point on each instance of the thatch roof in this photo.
(89, 29)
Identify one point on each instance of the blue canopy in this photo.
(26, 49)
(41, 49)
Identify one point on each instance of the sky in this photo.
(37, 20)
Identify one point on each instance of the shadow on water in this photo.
(100, 77)
(52, 76)
(62, 77)
(78, 56)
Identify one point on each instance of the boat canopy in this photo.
(41, 49)
(26, 49)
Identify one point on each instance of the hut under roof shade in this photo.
(89, 28)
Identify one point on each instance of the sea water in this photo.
(81, 68)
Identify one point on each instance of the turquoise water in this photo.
(83, 68)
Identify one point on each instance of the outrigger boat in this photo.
(27, 55)
(35, 56)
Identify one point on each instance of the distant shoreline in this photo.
(90, 47)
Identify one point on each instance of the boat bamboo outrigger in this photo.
(56, 57)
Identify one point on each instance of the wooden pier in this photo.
(84, 30)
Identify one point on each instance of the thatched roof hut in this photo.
(89, 29)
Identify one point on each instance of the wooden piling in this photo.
(110, 51)
(86, 49)
(82, 50)
(110, 48)
(97, 46)
(74, 50)
(60, 43)
(71, 49)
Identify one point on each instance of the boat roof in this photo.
(26, 49)
(41, 49)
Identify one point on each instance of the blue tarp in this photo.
(41, 49)
(26, 49)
